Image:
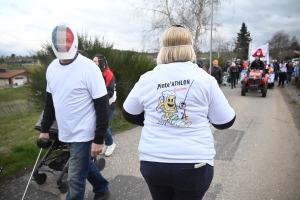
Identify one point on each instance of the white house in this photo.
(12, 77)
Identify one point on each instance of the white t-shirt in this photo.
(180, 101)
(73, 88)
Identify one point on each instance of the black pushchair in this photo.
(56, 164)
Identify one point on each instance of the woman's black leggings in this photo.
(282, 77)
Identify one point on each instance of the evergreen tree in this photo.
(242, 43)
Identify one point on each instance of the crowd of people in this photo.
(231, 72)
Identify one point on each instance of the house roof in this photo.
(12, 73)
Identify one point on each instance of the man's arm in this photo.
(102, 114)
(48, 116)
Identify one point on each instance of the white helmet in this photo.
(64, 42)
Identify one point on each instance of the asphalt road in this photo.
(257, 158)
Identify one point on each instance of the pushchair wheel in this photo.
(100, 163)
(40, 178)
(64, 187)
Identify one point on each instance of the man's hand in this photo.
(96, 149)
(44, 135)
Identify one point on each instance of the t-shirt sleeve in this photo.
(219, 112)
(95, 83)
(47, 86)
(132, 104)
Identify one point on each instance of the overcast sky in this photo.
(26, 24)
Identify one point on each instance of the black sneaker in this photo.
(102, 196)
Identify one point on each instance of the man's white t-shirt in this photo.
(73, 88)
(180, 101)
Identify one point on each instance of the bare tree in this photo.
(278, 44)
(193, 14)
(221, 44)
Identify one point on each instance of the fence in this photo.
(15, 108)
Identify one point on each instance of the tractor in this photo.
(257, 81)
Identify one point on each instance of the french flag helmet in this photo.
(64, 42)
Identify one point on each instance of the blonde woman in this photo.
(175, 103)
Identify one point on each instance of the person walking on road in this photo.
(233, 74)
(239, 66)
(110, 83)
(282, 73)
(225, 68)
(77, 98)
(290, 71)
(175, 103)
(216, 72)
(276, 68)
(296, 71)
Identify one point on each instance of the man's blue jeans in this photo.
(288, 78)
(82, 167)
(233, 79)
(108, 136)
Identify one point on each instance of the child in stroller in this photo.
(56, 164)
(224, 79)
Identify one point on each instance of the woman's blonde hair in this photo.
(176, 46)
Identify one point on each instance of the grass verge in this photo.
(11, 94)
(18, 149)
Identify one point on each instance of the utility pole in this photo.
(211, 29)
(298, 81)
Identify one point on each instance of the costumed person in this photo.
(216, 72)
(77, 99)
(176, 145)
(110, 83)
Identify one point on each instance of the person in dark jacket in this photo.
(216, 72)
(200, 63)
(257, 64)
(233, 74)
(110, 83)
(276, 68)
(239, 67)
(226, 67)
(290, 71)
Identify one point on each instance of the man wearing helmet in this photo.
(77, 99)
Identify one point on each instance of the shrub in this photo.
(127, 66)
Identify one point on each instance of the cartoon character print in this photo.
(167, 105)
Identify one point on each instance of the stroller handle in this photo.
(44, 143)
